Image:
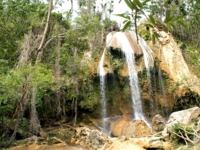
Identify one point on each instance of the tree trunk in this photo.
(63, 102)
(34, 122)
(57, 77)
(76, 88)
(23, 102)
(25, 54)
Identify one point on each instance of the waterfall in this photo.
(133, 78)
(147, 55)
(149, 62)
(148, 59)
(102, 74)
(165, 113)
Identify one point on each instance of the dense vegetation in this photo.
(44, 73)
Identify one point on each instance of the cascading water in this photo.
(161, 83)
(102, 74)
(133, 78)
(148, 61)
(165, 113)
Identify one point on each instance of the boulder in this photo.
(186, 117)
(117, 129)
(158, 123)
(137, 128)
(92, 139)
(126, 127)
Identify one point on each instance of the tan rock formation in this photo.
(61, 146)
(106, 64)
(126, 127)
(158, 123)
(173, 63)
(186, 117)
(113, 42)
(93, 139)
(117, 130)
(122, 145)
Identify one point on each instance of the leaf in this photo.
(165, 28)
(144, 3)
(129, 4)
(168, 17)
(149, 25)
(183, 25)
(177, 19)
(126, 26)
(125, 21)
(138, 17)
(152, 19)
(173, 26)
(123, 16)
(156, 34)
(137, 2)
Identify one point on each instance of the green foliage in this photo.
(24, 124)
(5, 109)
(90, 100)
(40, 76)
(194, 54)
(110, 25)
(175, 87)
(16, 19)
(88, 25)
(145, 34)
(12, 83)
(89, 91)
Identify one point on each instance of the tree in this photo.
(139, 8)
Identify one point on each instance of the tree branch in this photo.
(46, 29)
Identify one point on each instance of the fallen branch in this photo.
(185, 136)
(57, 139)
